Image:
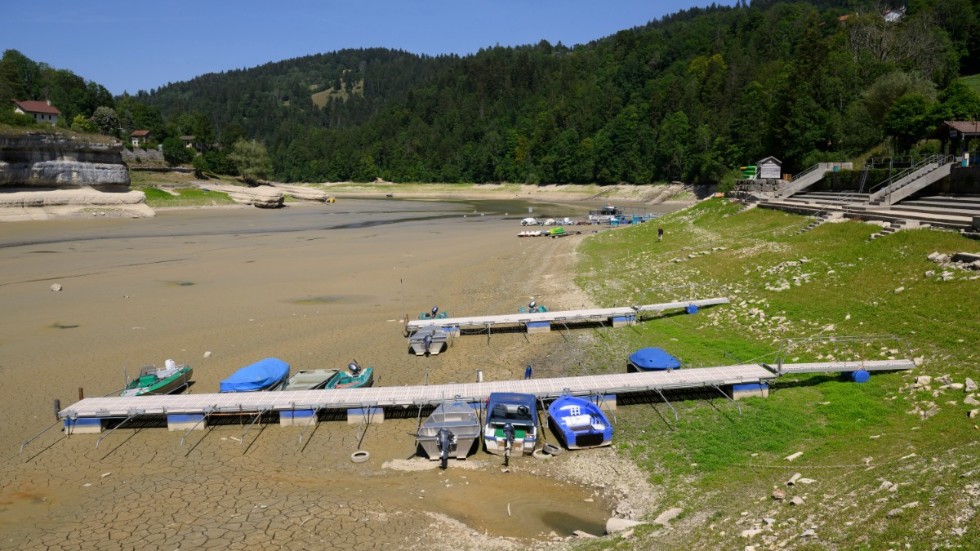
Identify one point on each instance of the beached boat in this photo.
(512, 424)
(451, 430)
(354, 377)
(267, 374)
(579, 423)
(429, 341)
(310, 379)
(651, 359)
(433, 314)
(152, 380)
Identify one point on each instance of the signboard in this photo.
(769, 169)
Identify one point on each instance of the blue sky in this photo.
(139, 45)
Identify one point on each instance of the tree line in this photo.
(689, 97)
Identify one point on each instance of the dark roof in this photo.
(140, 133)
(964, 127)
(34, 106)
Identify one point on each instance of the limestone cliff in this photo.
(59, 161)
(52, 174)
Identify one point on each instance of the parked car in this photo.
(550, 222)
(530, 222)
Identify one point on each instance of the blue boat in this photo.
(267, 374)
(652, 359)
(579, 423)
(512, 424)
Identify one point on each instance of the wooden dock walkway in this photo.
(564, 317)
(253, 403)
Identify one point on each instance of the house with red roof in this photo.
(139, 137)
(42, 111)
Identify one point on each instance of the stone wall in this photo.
(47, 160)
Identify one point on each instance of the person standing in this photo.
(660, 233)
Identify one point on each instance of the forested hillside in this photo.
(691, 97)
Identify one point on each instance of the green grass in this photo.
(973, 81)
(185, 197)
(829, 282)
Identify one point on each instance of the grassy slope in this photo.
(832, 281)
(973, 81)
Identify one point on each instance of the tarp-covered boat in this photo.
(652, 359)
(512, 424)
(267, 374)
(151, 380)
(450, 430)
(579, 423)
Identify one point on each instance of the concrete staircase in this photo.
(912, 180)
(894, 227)
(806, 179)
(821, 218)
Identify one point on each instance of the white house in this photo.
(139, 137)
(42, 111)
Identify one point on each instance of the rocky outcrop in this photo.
(304, 193)
(259, 196)
(72, 203)
(49, 160)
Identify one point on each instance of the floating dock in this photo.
(542, 321)
(301, 407)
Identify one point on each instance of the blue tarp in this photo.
(653, 358)
(258, 376)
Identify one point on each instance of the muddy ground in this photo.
(316, 286)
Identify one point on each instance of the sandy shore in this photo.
(315, 286)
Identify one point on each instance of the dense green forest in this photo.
(688, 97)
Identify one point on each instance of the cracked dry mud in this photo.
(271, 487)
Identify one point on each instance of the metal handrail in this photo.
(939, 160)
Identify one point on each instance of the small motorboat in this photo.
(354, 377)
(310, 379)
(267, 374)
(651, 359)
(451, 430)
(579, 423)
(429, 341)
(433, 314)
(152, 380)
(512, 424)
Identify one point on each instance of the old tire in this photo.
(539, 454)
(360, 456)
(552, 449)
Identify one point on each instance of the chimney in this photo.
(49, 102)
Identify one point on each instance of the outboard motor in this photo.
(531, 307)
(354, 367)
(445, 439)
(427, 342)
(509, 442)
(435, 310)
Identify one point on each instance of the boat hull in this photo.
(310, 380)
(163, 385)
(346, 380)
(460, 419)
(520, 412)
(579, 423)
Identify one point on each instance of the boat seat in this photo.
(578, 422)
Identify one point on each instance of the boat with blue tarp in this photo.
(579, 423)
(267, 374)
(652, 359)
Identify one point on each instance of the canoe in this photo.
(579, 423)
(267, 374)
(310, 379)
(170, 378)
(354, 377)
(512, 424)
(651, 359)
(450, 430)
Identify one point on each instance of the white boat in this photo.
(450, 431)
(512, 424)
